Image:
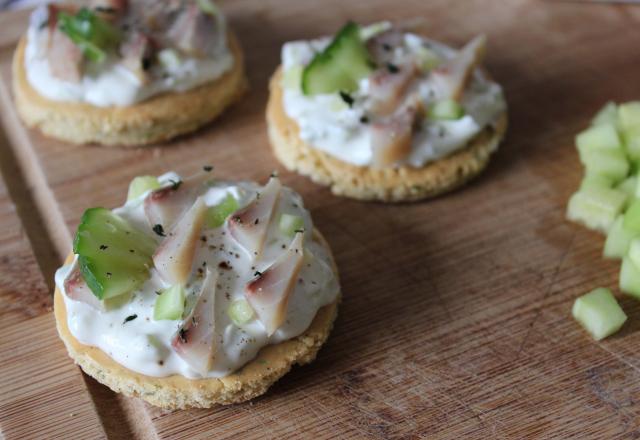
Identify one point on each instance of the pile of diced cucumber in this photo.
(608, 201)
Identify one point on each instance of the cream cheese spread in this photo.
(144, 344)
(327, 123)
(111, 83)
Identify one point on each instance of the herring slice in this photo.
(388, 85)
(268, 293)
(249, 225)
(195, 341)
(391, 138)
(450, 78)
(174, 257)
(166, 205)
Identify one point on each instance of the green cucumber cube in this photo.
(598, 181)
(629, 115)
(140, 185)
(216, 215)
(634, 252)
(631, 138)
(632, 216)
(612, 164)
(289, 224)
(607, 115)
(599, 313)
(596, 208)
(240, 312)
(169, 304)
(598, 137)
(618, 240)
(630, 278)
(447, 109)
(628, 186)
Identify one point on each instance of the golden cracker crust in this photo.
(156, 119)
(178, 392)
(392, 184)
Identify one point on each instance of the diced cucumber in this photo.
(427, 58)
(598, 137)
(632, 142)
(599, 313)
(339, 66)
(113, 256)
(628, 186)
(289, 224)
(632, 216)
(629, 115)
(169, 304)
(611, 163)
(208, 7)
(607, 115)
(634, 252)
(595, 181)
(216, 215)
(141, 184)
(374, 29)
(240, 312)
(170, 59)
(629, 278)
(447, 109)
(618, 239)
(292, 78)
(596, 208)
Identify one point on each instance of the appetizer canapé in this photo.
(126, 72)
(380, 113)
(196, 291)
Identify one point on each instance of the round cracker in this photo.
(179, 392)
(156, 119)
(390, 184)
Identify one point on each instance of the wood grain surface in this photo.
(455, 321)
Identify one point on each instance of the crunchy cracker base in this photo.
(156, 119)
(178, 392)
(392, 184)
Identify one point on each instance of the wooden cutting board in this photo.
(456, 314)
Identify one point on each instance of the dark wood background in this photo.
(456, 314)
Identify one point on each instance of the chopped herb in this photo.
(347, 98)
(109, 274)
(274, 174)
(299, 231)
(161, 362)
(364, 119)
(105, 9)
(207, 168)
(175, 184)
(224, 265)
(257, 221)
(386, 47)
(129, 318)
(158, 292)
(257, 274)
(146, 63)
(182, 334)
(392, 68)
(158, 229)
(103, 247)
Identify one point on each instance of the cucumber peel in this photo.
(339, 66)
(114, 257)
(599, 313)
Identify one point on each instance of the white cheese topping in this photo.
(327, 123)
(144, 344)
(112, 84)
